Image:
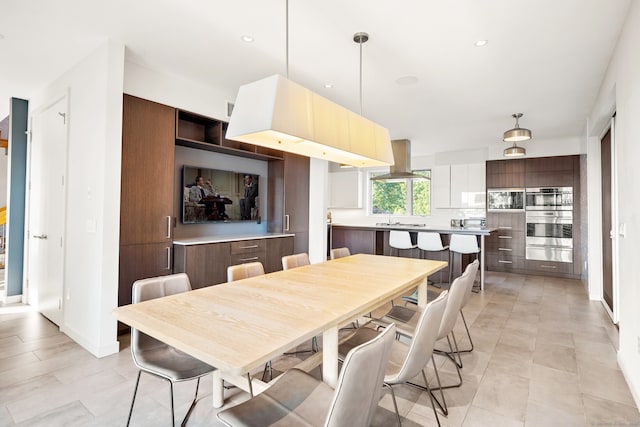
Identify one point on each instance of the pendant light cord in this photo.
(360, 43)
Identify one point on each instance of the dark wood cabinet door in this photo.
(141, 262)
(549, 171)
(148, 144)
(206, 265)
(276, 249)
(505, 173)
(296, 200)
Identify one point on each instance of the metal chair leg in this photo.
(464, 321)
(135, 391)
(433, 405)
(395, 404)
(193, 404)
(173, 417)
(268, 367)
(314, 348)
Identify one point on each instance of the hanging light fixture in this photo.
(514, 151)
(517, 134)
(277, 113)
(514, 135)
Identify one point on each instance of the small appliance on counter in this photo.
(469, 223)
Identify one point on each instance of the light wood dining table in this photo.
(237, 327)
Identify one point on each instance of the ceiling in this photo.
(544, 58)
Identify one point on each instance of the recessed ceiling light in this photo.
(328, 86)
(407, 80)
(481, 43)
(247, 39)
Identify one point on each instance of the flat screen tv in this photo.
(217, 196)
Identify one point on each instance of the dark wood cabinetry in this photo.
(505, 173)
(204, 133)
(358, 241)
(206, 264)
(288, 204)
(506, 249)
(145, 216)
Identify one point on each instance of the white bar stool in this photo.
(462, 244)
(400, 240)
(431, 242)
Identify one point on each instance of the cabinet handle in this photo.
(547, 266)
(505, 249)
(168, 258)
(253, 258)
(505, 262)
(505, 228)
(505, 237)
(169, 227)
(286, 221)
(248, 247)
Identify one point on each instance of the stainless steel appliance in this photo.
(549, 199)
(549, 235)
(505, 199)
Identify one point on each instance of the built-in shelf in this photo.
(205, 133)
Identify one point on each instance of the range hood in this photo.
(401, 169)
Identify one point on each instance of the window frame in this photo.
(408, 195)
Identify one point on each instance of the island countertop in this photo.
(227, 238)
(478, 231)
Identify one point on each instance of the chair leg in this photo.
(464, 321)
(193, 404)
(443, 405)
(314, 348)
(173, 417)
(433, 405)
(451, 356)
(268, 367)
(135, 391)
(395, 404)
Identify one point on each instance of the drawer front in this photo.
(502, 261)
(248, 246)
(508, 242)
(549, 267)
(248, 257)
(506, 221)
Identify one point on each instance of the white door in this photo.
(47, 200)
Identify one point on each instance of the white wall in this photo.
(318, 201)
(93, 194)
(623, 80)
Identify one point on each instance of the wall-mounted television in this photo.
(216, 196)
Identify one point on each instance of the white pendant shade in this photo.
(277, 113)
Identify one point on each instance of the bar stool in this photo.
(462, 244)
(431, 242)
(400, 240)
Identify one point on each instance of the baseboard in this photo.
(98, 351)
(634, 388)
(13, 299)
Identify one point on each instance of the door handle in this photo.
(611, 236)
(168, 227)
(168, 257)
(42, 236)
(286, 220)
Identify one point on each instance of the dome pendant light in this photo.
(515, 151)
(517, 134)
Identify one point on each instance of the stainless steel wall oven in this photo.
(549, 235)
(549, 198)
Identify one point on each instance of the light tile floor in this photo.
(544, 356)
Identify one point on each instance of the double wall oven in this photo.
(549, 219)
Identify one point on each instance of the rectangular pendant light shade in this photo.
(277, 113)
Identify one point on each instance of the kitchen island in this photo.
(374, 239)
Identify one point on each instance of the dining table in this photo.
(237, 327)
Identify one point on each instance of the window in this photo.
(401, 197)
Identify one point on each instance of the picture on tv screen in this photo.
(214, 195)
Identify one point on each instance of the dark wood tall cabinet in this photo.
(146, 202)
(289, 199)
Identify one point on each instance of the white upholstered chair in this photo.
(155, 357)
(340, 253)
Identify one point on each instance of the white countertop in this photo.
(445, 229)
(227, 238)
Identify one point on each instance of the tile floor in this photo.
(544, 356)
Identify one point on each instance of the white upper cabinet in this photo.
(345, 189)
(458, 186)
(440, 187)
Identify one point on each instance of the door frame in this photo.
(27, 296)
(615, 223)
